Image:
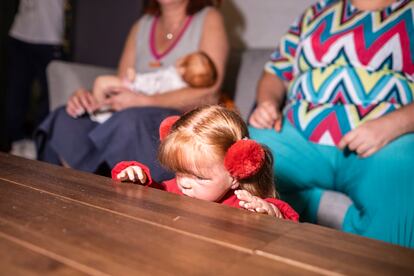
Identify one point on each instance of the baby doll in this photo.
(213, 160)
(195, 70)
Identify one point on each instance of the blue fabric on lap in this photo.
(131, 134)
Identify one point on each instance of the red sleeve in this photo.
(125, 164)
(287, 211)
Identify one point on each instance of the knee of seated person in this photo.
(356, 221)
(332, 209)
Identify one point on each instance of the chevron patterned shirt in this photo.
(345, 66)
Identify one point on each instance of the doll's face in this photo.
(196, 70)
(209, 182)
(197, 64)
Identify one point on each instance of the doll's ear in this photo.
(166, 125)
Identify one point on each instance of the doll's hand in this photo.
(369, 137)
(132, 173)
(256, 204)
(266, 115)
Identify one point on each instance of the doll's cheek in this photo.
(181, 70)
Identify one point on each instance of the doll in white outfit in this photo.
(195, 70)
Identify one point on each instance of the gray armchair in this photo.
(65, 77)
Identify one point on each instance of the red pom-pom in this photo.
(244, 159)
(166, 125)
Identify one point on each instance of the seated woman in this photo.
(347, 125)
(168, 31)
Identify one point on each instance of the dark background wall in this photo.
(100, 28)
(8, 9)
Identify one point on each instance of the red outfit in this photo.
(229, 199)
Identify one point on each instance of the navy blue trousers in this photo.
(26, 63)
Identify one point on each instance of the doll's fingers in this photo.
(141, 175)
(122, 176)
(245, 205)
(242, 203)
(131, 174)
(267, 209)
(276, 212)
(262, 210)
(243, 195)
(255, 202)
(250, 206)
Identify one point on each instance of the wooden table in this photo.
(60, 221)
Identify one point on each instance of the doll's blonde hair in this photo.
(206, 133)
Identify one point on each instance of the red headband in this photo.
(243, 159)
(166, 125)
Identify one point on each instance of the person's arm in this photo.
(128, 55)
(214, 43)
(372, 135)
(270, 99)
(278, 71)
(82, 100)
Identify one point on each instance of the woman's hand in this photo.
(369, 137)
(122, 98)
(256, 204)
(267, 115)
(80, 102)
(132, 173)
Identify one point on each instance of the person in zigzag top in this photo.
(335, 104)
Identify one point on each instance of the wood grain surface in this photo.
(59, 221)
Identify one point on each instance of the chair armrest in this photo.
(65, 77)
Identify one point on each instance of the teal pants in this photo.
(381, 187)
